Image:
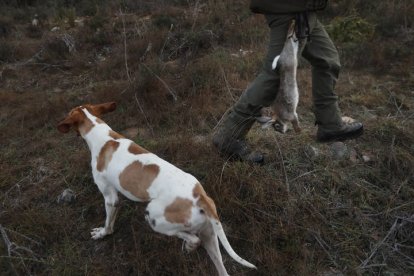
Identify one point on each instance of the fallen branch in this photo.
(227, 84)
(364, 264)
(9, 245)
(172, 92)
(143, 113)
(323, 244)
(125, 46)
(283, 166)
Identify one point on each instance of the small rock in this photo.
(353, 156)
(79, 22)
(366, 158)
(311, 152)
(55, 29)
(200, 139)
(242, 53)
(339, 150)
(43, 169)
(67, 196)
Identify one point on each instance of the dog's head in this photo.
(78, 120)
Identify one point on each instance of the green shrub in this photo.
(350, 29)
(98, 20)
(6, 27)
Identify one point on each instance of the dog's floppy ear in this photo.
(73, 120)
(65, 125)
(104, 108)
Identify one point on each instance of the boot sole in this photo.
(341, 137)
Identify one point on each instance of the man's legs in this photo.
(238, 120)
(323, 56)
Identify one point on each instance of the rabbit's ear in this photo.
(291, 30)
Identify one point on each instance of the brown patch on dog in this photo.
(115, 135)
(76, 120)
(179, 211)
(105, 155)
(137, 178)
(99, 121)
(204, 201)
(86, 126)
(135, 149)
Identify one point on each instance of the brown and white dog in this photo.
(178, 205)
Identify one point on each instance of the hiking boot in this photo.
(229, 137)
(345, 132)
(238, 149)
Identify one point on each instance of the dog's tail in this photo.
(207, 205)
(218, 229)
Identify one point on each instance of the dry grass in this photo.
(297, 214)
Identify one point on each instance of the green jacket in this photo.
(286, 6)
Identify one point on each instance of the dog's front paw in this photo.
(98, 233)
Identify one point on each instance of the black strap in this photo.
(302, 26)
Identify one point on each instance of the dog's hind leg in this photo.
(172, 222)
(209, 241)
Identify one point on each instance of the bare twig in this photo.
(408, 118)
(325, 247)
(392, 97)
(6, 239)
(24, 236)
(364, 264)
(304, 174)
(143, 113)
(398, 207)
(147, 50)
(221, 119)
(33, 58)
(227, 84)
(283, 165)
(14, 186)
(222, 171)
(12, 248)
(267, 214)
(166, 40)
(195, 14)
(172, 92)
(69, 42)
(398, 190)
(125, 46)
